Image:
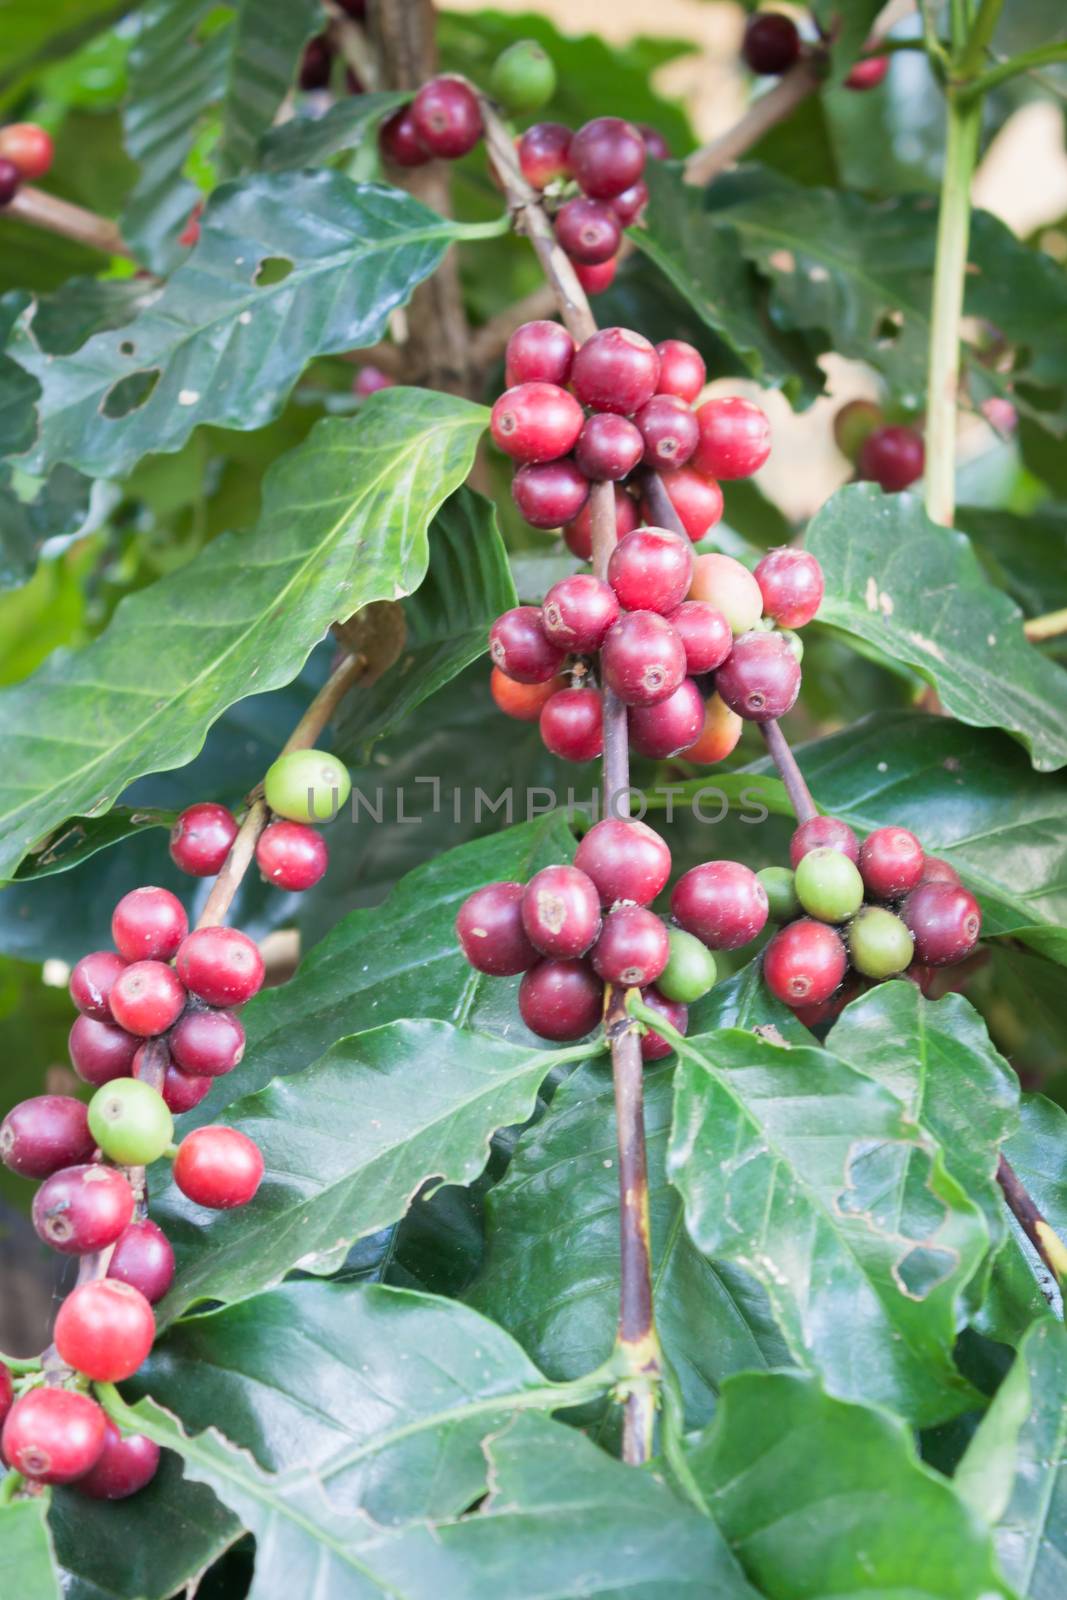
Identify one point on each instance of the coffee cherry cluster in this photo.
(26, 153)
(443, 121)
(316, 66)
(889, 454)
(879, 910)
(772, 45)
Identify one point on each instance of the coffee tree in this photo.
(552, 1124)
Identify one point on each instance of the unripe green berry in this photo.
(795, 643)
(307, 786)
(854, 424)
(130, 1122)
(879, 944)
(828, 885)
(523, 77)
(690, 969)
(781, 893)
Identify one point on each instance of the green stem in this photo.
(1045, 55)
(1049, 626)
(674, 1441)
(972, 49)
(484, 230)
(9, 1486)
(20, 1363)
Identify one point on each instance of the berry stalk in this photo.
(47, 211)
(1045, 1240)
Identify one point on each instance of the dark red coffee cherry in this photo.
(218, 1167)
(490, 931)
(577, 612)
(82, 1208)
(893, 457)
(561, 1000)
(447, 117)
(669, 430)
(550, 494)
(633, 947)
(588, 230)
(104, 1329)
(868, 74)
(561, 912)
(207, 1043)
(891, 862)
(147, 998)
(578, 535)
(651, 570)
(100, 1051)
(149, 924)
(653, 1045)
(221, 965)
(538, 352)
(54, 1435)
(705, 634)
(292, 856)
(791, 583)
(609, 447)
(735, 438)
(606, 156)
(804, 963)
(655, 144)
(760, 679)
(819, 832)
(10, 178)
(315, 63)
(681, 369)
(616, 370)
(626, 860)
(669, 727)
(143, 1257)
(518, 646)
(629, 205)
(536, 422)
(937, 871)
(721, 902)
(200, 840)
(945, 921)
(572, 724)
(642, 659)
(180, 1090)
(7, 1391)
(400, 142)
(596, 276)
(543, 152)
(92, 980)
(698, 501)
(771, 43)
(125, 1465)
(44, 1134)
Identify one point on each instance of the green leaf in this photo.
(916, 592)
(1023, 554)
(19, 391)
(57, 511)
(810, 1177)
(27, 1566)
(817, 1497)
(34, 33)
(344, 523)
(1021, 292)
(307, 141)
(83, 306)
(218, 346)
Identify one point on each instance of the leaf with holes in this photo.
(57, 511)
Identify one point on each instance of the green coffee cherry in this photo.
(307, 786)
(879, 944)
(523, 77)
(690, 969)
(130, 1122)
(781, 893)
(828, 885)
(795, 643)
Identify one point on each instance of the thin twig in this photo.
(47, 211)
(489, 342)
(804, 807)
(1050, 626)
(1048, 1244)
(762, 115)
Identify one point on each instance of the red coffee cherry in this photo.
(92, 980)
(671, 726)
(447, 117)
(596, 276)
(705, 634)
(539, 352)
(551, 493)
(655, 144)
(149, 924)
(543, 152)
(891, 862)
(609, 447)
(760, 680)
(572, 724)
(735, 438)
(180, 1091)
(791, 583)
(651, 570)
(821, 832)
(7, 1391)
(561, 1000)
(536, 422)
(804, 963)
(399, 140)
(371, 380)
(218, 1167)
(616, 370)
(588, 230)
(105, 1329)
(100, 1051)
(937, 871)
(577, 613)
(669, 430)
(200, 840)
(697, 501)
(771, 43)
(522, 701)
(490, 930)
(124, 1466)
(893, 457)
(578, 535)
(681, 369)
(653, 1045)
(82, 1208)
(53, 1435)
(518, 646)
(45, 1134)
(629, 205)
(207, 1043)
(561, 912)
(606, 156)
(292, 856)
(28, 147)
(221, 965)
(642, 658)
(626, 860)
(721, 902)
(633, 947)
(143, 1257)
(945, 921)
(147, 998)
(868, 74)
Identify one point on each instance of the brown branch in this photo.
(762, 115)
(47, 211)
(1042, 1236)
(804, 807)
(489, 342)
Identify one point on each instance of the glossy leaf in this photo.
(19, 391)
(83, 306)
(57, 511)
(1023, 554)
(306, 141)
(27, 1565)
(34, 33)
